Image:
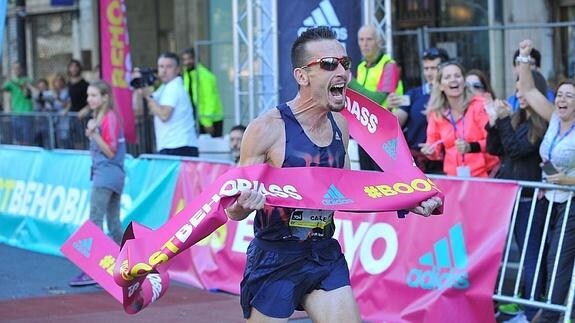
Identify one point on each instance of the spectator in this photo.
(557, 147)
(108, 150)
(236, 135)
(202, 86)
(20, 103)
(535, 63)
(377, 77)
(43, 100)
(479, 84)
(61, 105)
(172, 109)
(456, 125)
(77, 89)
(411, 117)
(515, 138)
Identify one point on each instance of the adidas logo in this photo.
(390, 147)
(446, 262)
(334, 197)
(324, 15)
(83, 246)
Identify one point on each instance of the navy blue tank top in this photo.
(276, 223)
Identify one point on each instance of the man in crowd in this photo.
(171, 107)
(236, 135)
(18, 87)
(202, 87)
(377, 76)
(411, 116)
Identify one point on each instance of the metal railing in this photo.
(543, 222)
(54, 130)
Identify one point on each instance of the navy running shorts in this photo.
(279, 274)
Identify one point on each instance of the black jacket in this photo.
(519, 158)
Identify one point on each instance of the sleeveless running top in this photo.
(275, 223)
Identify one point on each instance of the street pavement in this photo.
(34, 288)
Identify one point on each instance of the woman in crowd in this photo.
(479, 84)
(108, 150)
(456, 125)
(558, 147)
(515, 138)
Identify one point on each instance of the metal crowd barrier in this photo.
(510, 278)
(540, 301)
(50, 130)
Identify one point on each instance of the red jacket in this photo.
(471, 127)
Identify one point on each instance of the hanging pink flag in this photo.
(116, 60)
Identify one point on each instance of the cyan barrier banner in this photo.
(150, 184)
(344, 17)
(45, 195)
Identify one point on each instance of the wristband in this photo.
(523, 60)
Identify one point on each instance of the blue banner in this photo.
(345, 17)
(45, 195)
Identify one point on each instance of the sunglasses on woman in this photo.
(331, 63)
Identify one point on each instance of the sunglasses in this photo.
(331, 63)
(476, 85)
(433, 53)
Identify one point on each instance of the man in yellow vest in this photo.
(202, 87)
(377, 76)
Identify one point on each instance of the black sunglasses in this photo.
(433, 53)
(476, 85)
(331, 63)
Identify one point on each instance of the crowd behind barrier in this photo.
(53, 130)
(158, 186)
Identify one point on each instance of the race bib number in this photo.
(310, 219)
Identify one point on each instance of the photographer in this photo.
(174, 124)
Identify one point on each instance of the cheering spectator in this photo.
(557, 148)
(515, 138)
(456, 125)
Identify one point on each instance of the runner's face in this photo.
(327, 87)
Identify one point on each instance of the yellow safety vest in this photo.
(369, 77)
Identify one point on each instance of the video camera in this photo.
(147, 78)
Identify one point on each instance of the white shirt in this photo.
(180, 129)
(562, 155)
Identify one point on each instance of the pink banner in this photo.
(95, 253)
(414, 269)
(439, 269)
(378, 132)
(116, 60)
(403, 270)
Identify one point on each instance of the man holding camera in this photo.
(170, 104)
